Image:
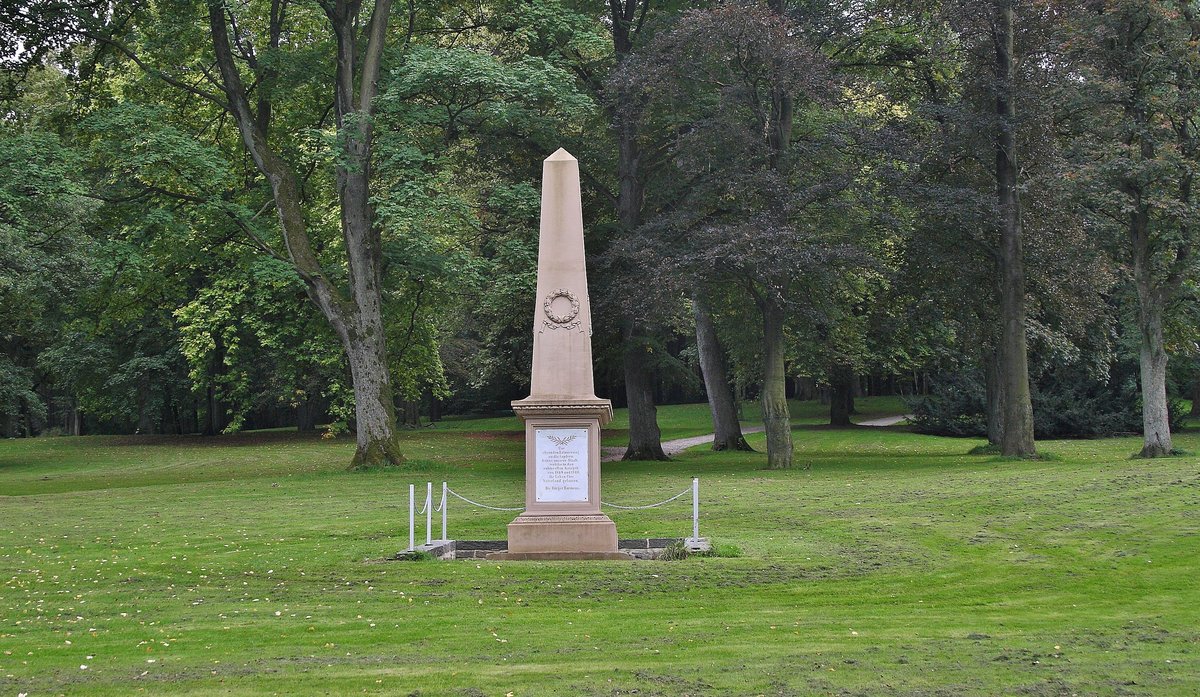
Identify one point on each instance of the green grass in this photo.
(885, 563)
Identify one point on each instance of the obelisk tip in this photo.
(560, 155)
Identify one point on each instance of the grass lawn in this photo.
(885, 563)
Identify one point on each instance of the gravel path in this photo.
(613, 453)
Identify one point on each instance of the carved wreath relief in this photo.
(565, 320)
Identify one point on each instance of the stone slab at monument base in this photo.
(576, 536)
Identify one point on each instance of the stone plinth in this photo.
(562, 482)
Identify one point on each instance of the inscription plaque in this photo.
(562, 465)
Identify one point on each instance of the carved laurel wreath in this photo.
(548, 306)
(561, 441)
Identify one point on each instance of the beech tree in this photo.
(1139, 154)
(750, 202)
(256, 43)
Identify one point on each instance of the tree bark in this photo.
(994, 396)
(645, 440)
(841, 394)
(727, 430)
(435, 407)
(1156, 420)
(776, 416)
(27, 418)
(358, 320)
(1017, 437)
(306, 414)
(145, 425)
(214, 421)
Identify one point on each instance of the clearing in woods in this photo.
(884, 563)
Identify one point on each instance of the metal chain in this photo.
(482, 505)
(602, 503)
(653, 505)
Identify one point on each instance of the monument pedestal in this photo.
(562, 533)
(562, 518)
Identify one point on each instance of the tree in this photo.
(741, 211)
(1139, 156)
(164, 44)
(43, 264)
(727, 429)
(1013, 356)
(358, 318)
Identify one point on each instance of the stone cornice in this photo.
(535, 408)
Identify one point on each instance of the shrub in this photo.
(1067, 403)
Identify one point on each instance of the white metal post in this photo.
(696, 508)
(428, 513)
(445, 501)
(412, 532)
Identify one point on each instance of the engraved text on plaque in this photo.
(562, 465)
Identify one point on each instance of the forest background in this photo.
(219, 216)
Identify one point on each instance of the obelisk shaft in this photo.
(562, 344)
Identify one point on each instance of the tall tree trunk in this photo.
(213, 414)
(374, 407)
(358, 320)
(74, 418)
(145, 425)
(776, 416)
(727, 431)
(841, 394)
(26, 419)
(435, 407)
(1156, 420)
(645, 440)
(1017, 437)
(994, 397)
(306, 414)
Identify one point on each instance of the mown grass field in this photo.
(885, 563)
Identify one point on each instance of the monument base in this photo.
(558, 556)
(556, 534)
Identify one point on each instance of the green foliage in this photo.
(44, 258)
(1067, 403)
(675, 551)
(956, 408)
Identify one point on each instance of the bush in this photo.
(1067, 403)
(955, 408)
(673, 552)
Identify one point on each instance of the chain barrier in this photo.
(427, 508)
(481, 505)
(685, 492)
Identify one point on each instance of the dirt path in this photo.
(887, 420)
(612, 453)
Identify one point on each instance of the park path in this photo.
(886, 421)
(612, 453)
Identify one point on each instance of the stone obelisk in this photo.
(562, 414)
